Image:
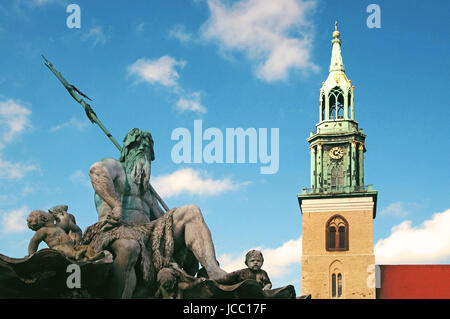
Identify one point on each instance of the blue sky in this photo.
(160, 65)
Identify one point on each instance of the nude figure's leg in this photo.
(123, 280)
(69, 252)
(190, 228)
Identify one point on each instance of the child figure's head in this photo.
(254, 259)
(58, 211)
(38, 219)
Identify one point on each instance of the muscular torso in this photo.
(137, 206)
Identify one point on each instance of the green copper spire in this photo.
(338, 145)
(336, 56)
(336, 94)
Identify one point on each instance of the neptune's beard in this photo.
(138, 171)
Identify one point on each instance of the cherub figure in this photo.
(54, 236)
(67, 222)
(254, 261)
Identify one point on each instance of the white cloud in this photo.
(400, 209)
(165, 71)
(14, 119)
(72, 123)
(14, 221)
(162, 70)
(96, 35)
(10, 170)
(80, 178)
(191, 103)
(276, 35)
(179, 32)
(424, 244)
(276, 260)
(190, 181)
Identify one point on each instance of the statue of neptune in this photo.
(123, 193)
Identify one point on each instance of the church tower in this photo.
(338, 210)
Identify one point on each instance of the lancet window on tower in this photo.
(339, 285)
(336, 285)
(349, 98)
(336, 279)
(337, 234)
(336, 104)
(322, 108)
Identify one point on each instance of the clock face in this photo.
(336, 153)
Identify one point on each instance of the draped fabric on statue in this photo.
(155, 239)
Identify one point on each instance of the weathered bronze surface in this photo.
(139, 250)
(136, 249)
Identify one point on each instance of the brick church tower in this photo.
(338, 210)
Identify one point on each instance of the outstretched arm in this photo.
(267, 287)
(266, 281)
(75, 230)
(35, 241)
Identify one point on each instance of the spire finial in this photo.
(336, 56)
(336, 33)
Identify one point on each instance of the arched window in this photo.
(323, 107)
(336, 284)
(336, 103)
(336, 271)
(332, 236)
(337, 234)
(339, 285)
(341, 237)
(349, 96)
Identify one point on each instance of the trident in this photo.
(73, 91)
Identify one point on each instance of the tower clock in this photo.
(338, 209)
